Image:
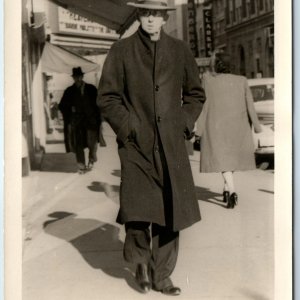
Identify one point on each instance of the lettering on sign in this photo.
(72, 23)
(192, 33)
(208, 33)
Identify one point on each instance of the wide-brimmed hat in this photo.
(152, 4)
(77, 72)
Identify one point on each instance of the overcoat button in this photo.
(158, 118)
(157, 88)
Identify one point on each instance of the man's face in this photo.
(152, 20)
(78, 79)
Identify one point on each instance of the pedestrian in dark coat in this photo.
(151, 96)
(81, 119)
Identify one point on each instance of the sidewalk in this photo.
(73, 247)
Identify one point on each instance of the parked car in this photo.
(263, 95)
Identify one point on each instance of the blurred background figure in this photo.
(225, 125)
(81, 120)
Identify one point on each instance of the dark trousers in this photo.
(66, 136)
(91, 141)
(161, 257)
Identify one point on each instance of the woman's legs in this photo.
(228, 181)
(229, 186)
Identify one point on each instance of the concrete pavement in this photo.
(72, 246)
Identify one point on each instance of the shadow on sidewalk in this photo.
(59, 162)
(111, 191)
(97, 242)
(116, 173)
(204, 194)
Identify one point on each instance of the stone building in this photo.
(245, 29)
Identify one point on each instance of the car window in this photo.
(262, 92)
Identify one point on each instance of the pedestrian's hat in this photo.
(152, 4)
(77, 72)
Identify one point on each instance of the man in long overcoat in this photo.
(151, 96)
(81, 119)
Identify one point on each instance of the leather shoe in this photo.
(233, 200)
(225, 196)
(170, 290)
(142, 277)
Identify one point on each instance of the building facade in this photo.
(250, 36)
(243, 28)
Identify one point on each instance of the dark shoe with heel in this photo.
(226, 196)
(142, 277)
(233, 200)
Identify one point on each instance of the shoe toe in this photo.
(142, 278)
(145, 287)
(171, 290)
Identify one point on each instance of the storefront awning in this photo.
(114, 14)
(59, 60)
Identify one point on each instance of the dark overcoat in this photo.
(80, 113)
(85, 109)
(151, 96)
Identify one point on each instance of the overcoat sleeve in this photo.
(250, 108)
(111, 92)
(65, 105)
(193, 96)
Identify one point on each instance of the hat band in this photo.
(152, 3)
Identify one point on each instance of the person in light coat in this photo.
(151, 96)
(225, 125)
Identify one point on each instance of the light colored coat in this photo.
(225, 125)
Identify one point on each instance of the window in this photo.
(258, 45)
(232, 49)
(233, 11)
(261, 4)
(227, 12)
(252, 7)
(262, 92)
(250, 48)
(221, 5)
(258, 65)
(244, 9)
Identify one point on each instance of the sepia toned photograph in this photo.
(149, 151)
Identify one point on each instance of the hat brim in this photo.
(149, 6)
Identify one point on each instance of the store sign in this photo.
(192, 33)
(208, 31)
(69, 22)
